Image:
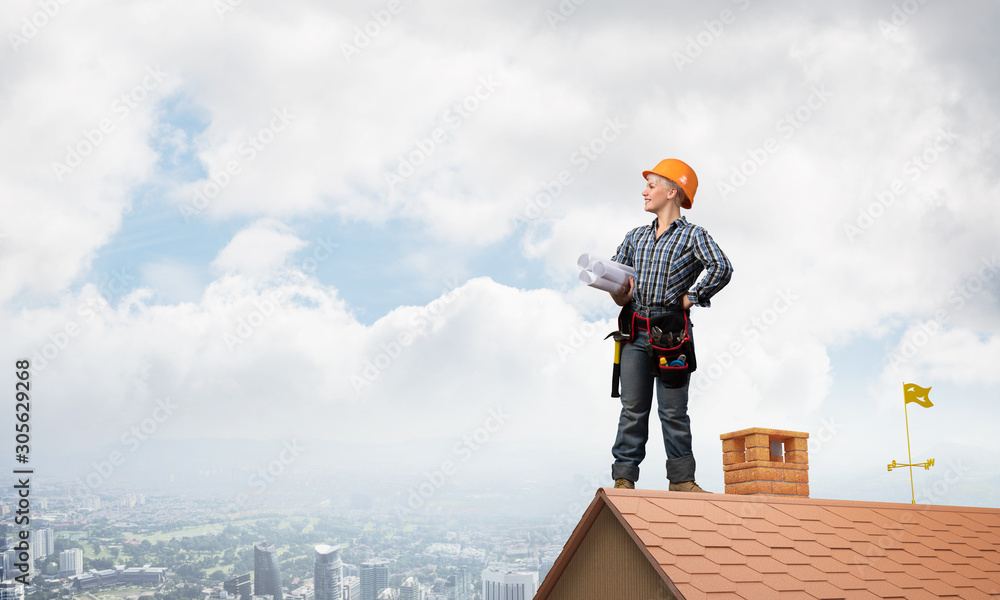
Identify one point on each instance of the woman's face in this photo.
(656, 194)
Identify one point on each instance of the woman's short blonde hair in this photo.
(660, 179)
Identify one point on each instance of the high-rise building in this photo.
(508, 585)
(266, 572)
(10, 571)
(43, 542)
(352, 588)
(70, 562)
(328, 573)
(239, 586)
(410, 589)
(457, 586)
(374, 578)
(11, 590)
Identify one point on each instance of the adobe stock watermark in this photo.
(32, 25)
(937, 491)
(322, 252)
(263, 477)
(388, 352)
(914, 167)
(786, 127)
(111, 285)
(224, 7)
(752, 331)
(131, 440)
(578, 338)
(366, 34)
(462, 452)
(585, 493)
(702, 40)
(958, 297)
(92, 138)
(452, 118)
(898, 18)
(823, 436)
(246, 326)
(563, 11)
(582, 158)
(249, 149)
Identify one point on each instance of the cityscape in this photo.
(171, 545)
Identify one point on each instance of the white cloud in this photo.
(259, 249)
(297, 132)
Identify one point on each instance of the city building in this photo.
(328, 573)
(239, 586)
(94, 578)
(11, 590)
(11, 571)
(388, 594)
(501, 584)
(119, 576)
(410, 589)
(351, 588)
(374, 578)
(42, 542)
(458, 585)
(304, 592)
(266, 571)
(141, 575)
(71, 562)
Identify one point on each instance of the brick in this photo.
(733, 445)
(732, 458)
(803, 489)
(758, 454)
(776, 433)
(777, 458)
(801, 458)
(784, 488)
(795, 475)
(764, 474)
(759, 487)
(758, 440)
(735, 476)
(796, 445)
(749, 487)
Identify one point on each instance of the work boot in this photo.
(624, 483)
(686, 486)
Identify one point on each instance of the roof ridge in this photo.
(641, 493)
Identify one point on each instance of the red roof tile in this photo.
(740, 573)
(726, 547)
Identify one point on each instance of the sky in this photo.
(357, 224)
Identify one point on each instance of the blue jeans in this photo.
(637, 385)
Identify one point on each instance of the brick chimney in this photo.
(760, 461)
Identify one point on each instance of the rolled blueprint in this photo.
(602, 284)
(603, 274)
(613, 271)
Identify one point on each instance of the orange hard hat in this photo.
(680, 173)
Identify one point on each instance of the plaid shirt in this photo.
(667, 267)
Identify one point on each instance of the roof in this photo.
(729, 547)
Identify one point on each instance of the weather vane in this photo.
(918, 395)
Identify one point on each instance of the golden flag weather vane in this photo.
(920, 396)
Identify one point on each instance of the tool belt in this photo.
(670, 347)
